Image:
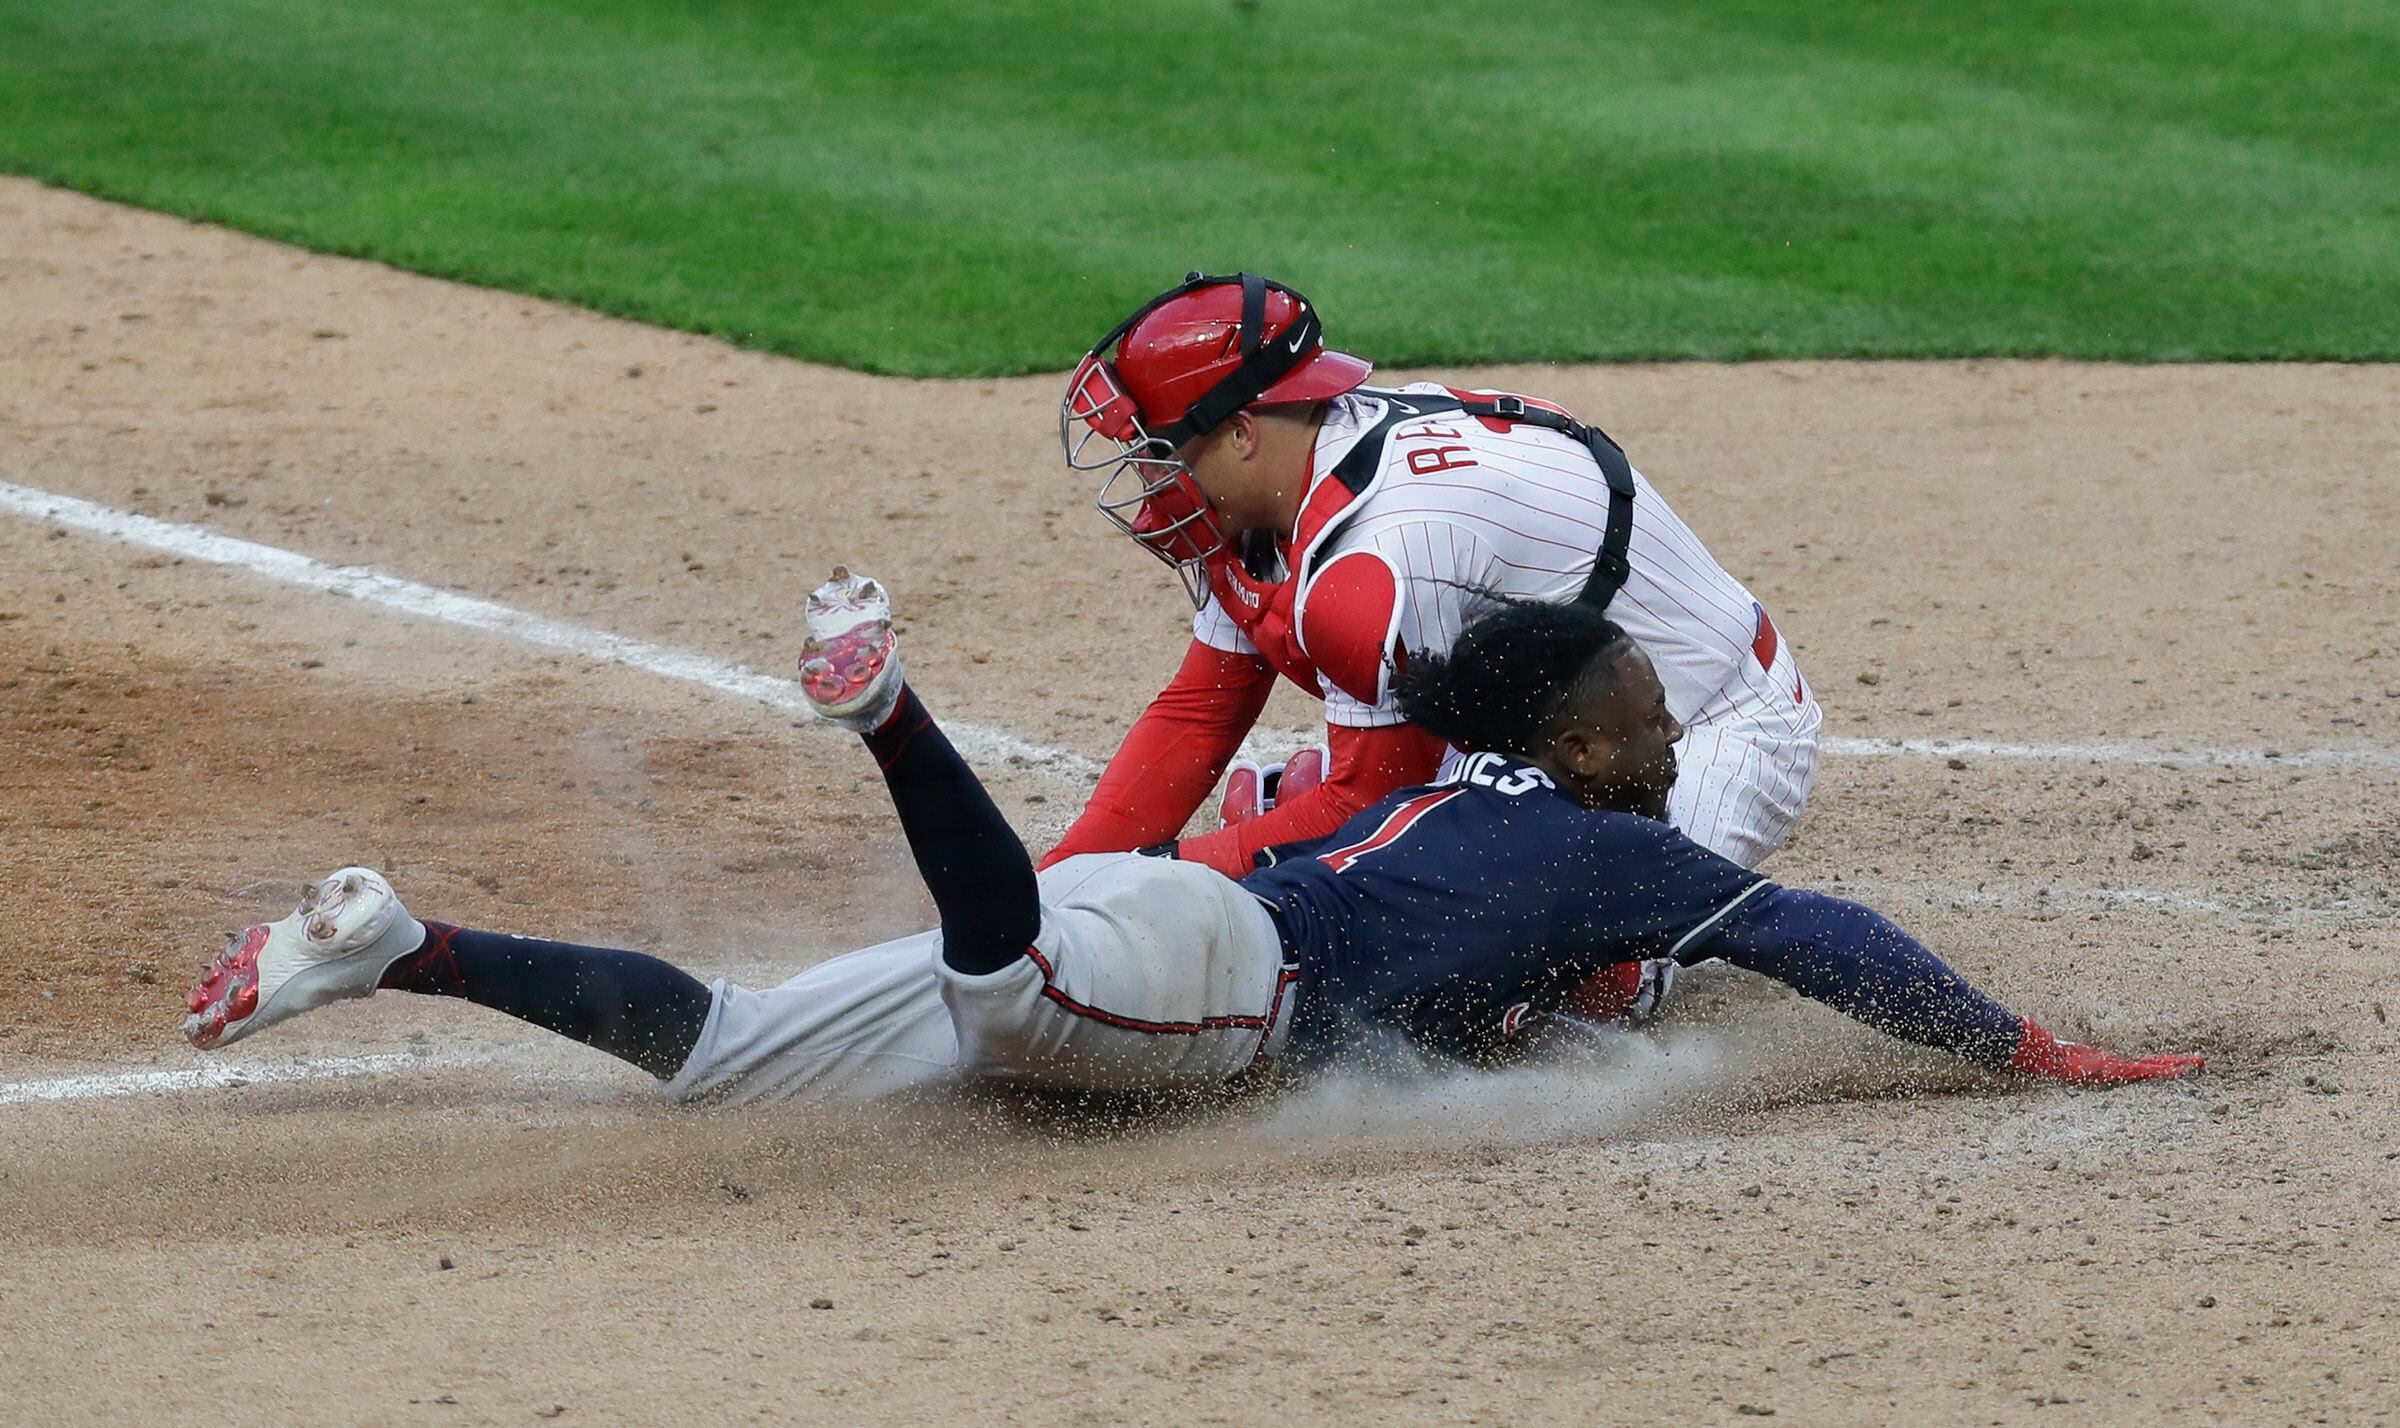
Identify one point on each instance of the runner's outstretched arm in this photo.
(1859, 962)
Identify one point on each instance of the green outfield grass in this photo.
(980, 186)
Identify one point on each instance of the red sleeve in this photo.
(1173, 755)
(1367, 764)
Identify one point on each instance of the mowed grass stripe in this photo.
(956, 189)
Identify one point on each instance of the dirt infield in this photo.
(1762, 1210)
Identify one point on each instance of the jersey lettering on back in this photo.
(1502, 775)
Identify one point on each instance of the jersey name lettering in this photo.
(1452, 455)
(1495, 773)
(1426, 460)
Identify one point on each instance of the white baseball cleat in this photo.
(850, 668)
(348, 929)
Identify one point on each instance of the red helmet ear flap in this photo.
(1097, 399)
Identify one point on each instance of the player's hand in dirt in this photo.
(2046, 1058)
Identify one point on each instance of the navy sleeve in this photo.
(1859, 962)
(1639, 881)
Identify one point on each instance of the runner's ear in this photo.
(1581, 751)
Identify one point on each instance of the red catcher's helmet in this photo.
(1184, 362)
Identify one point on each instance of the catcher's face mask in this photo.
(1186, 361)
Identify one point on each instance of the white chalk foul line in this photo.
(2107, 753)
(976, 741)
(213, 1076)
(433, 603)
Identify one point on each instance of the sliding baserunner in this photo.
(1454, 914)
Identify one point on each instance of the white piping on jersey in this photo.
(1361, 414)
(1364, 413)
(1719, 916)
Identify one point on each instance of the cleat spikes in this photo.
(347, 931)
(850, 665)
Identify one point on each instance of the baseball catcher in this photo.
(1327, 530)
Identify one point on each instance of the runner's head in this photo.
(1562, 687)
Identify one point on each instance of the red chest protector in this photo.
(1263, 609)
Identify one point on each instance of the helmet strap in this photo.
(1263, 363)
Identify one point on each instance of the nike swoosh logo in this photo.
(1297, 339)
(1412, 411)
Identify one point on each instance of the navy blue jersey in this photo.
(1456, 911)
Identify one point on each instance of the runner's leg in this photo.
(630, 1005)
(973, 863)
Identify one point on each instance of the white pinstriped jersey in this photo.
(1456, 508)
